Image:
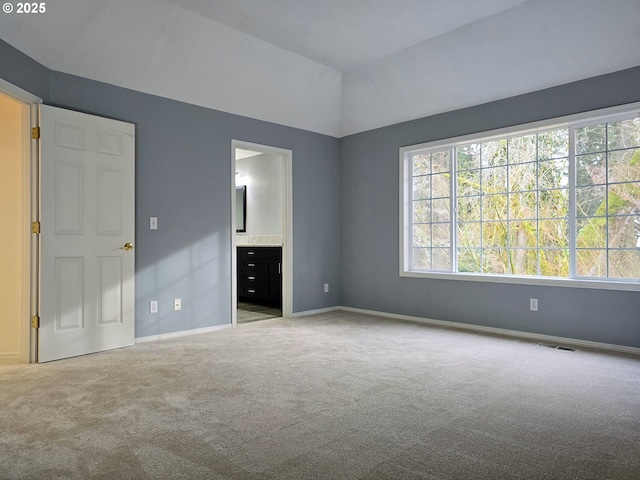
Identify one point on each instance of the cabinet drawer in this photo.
(252, 266)
(249, 277)
(247, 253)
(252, 291)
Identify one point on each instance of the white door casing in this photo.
(87, 216)
(287, 227)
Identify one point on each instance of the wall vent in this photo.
(557, 347)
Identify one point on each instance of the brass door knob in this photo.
(127, 246)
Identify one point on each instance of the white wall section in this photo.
(536, 45)
(332, 67)
(153, 46)
(263, 176)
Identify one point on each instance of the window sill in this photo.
(632, 285)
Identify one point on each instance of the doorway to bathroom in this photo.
(261, 232)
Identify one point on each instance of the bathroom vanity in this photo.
(260, 275)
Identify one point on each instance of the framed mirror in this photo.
(241, 208)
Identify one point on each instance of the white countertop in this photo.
(243, 240)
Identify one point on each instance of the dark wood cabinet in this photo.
(260, 275)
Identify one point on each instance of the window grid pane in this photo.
(511, 212)
(523, 207)
(608, 200)
(431, 211)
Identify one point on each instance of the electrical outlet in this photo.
(177, 304)
(326, 288)
(533, 304)
(153, 306)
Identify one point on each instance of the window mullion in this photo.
(538, 248)
(481, 209)
(512, 247)
(573, 245)
(431, 211)
(606, 197)
(453, 192)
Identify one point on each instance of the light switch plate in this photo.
(153, 223)
(177, 304)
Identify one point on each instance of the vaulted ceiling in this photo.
(334, 66)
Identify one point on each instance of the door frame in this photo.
(31, 208)
(287, 225)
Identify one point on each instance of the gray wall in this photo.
(345, 208)
(23, 71)
(370, 219)
(183, 177)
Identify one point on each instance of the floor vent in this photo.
(557, 347)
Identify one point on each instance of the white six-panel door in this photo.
(87, 218)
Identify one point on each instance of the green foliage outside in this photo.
(513, 204)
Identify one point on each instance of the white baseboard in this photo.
(8, 358)
(550, 339)
(306, 313)
(499, 331)
(183, 333)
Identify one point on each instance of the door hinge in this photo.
(35, 133)
(35, 227)
(35, 321)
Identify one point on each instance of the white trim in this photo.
(632, 286)
(499, 331)
(18, 93)
(426, 321)
(306, 313)
(183, 333)
(11, 359)
(31, 355)
(287, 281)
(234, 256)
(27, 152)
(287, 227)
(405, 195)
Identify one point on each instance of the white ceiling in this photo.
(345, 33)
(334, 66)
(242, 153)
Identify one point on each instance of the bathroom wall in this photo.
(263, 176)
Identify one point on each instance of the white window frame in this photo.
(610, 114)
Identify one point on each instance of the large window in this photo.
(557, 200)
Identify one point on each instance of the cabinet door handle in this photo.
(251, 253)
(251, 264)
(251, 291)
(279, 268)
(251, 278)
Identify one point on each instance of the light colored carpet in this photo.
(333, 396)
